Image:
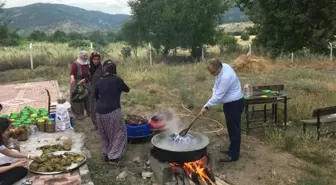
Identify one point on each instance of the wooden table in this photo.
(273, 99)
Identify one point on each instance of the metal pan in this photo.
(176, 153)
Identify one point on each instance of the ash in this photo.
(187, 139)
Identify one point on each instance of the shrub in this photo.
(227, 43)
(10, 42)
(245, 36)
(79, 43)
(126, 52)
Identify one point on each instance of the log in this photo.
(220, 181)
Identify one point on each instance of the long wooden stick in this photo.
(218, 182)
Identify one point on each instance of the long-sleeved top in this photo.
(227, 87)
(84, 69)
(108, 92)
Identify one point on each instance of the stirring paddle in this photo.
(186, 130)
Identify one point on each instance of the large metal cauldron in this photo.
(179, 153)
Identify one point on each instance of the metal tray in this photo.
(70, 168)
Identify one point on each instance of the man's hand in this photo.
(203, 110)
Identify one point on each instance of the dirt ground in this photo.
(259, 164)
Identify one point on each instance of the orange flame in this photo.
(199, 168)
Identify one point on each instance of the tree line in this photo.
(280, 26)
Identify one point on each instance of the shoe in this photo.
(105, 158)
(80, 118)
(227, 158)
(114, 162)
(227, 152)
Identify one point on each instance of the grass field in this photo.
(269, 155)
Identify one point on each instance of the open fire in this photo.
(198, 171)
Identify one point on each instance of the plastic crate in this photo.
(138, 130)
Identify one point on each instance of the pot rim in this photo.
(200, 146)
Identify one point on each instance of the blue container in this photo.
(138, 130)
(52, 116)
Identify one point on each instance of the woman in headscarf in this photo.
(95, 72)
(79, 71)
(110, 119)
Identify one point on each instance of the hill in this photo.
(234, 15)
(51, 17)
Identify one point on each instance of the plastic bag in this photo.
(63, 117)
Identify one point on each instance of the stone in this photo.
(122, 176)
(146, 175)
(137, 160)
(162, 171)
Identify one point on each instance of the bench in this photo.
(320, 116)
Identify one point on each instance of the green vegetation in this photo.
(287, 26)
(177, 29)
(174, 23)
(245, 36)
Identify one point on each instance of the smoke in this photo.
(173, 124)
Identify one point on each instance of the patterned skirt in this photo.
(113, 134)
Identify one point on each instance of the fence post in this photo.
(150, 54)
(331, 51)
(31, 56)
(202, 53)
(292, 56)
(250, 49)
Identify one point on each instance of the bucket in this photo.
(138, 130)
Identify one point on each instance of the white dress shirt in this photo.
(227, 87)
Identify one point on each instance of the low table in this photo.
(259, 99)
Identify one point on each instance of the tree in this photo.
(245, 36)
(37, 35)
(98, 37)
(227, 43)
(59, 36)
(7, 38)
(174, 23)
(290, 26)
(111, 36)
(130, 33)
(75, 36)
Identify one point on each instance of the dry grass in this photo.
(236, 27)
(251, 64)
(152, 88)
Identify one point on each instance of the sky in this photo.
(107, 6)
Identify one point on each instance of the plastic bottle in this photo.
(248, 91)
